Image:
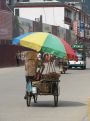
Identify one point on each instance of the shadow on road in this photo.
(78, 69)
(75, 69)
(87, 68)
(60, 104)
(70, 104)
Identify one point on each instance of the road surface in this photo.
(73, 99)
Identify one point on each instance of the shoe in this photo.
(35, 101)
(25, 97)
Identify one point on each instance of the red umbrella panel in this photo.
(70, 52)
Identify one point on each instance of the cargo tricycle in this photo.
(44, 87)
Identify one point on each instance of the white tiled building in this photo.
(52, 13)
(56, 13)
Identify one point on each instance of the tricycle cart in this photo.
(47, 85)
(44, 87)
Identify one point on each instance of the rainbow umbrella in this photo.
(41, 42)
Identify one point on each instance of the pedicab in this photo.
(47, 84)
(49, 44)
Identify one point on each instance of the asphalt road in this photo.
(73, 99)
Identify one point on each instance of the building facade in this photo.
(3, 5)
(84, 3)
(57, 14)
(7, 51)
(62, 20)
(48, 10)
(12, 2)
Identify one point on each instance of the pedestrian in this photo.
(18, 57)
(30, 68)
(61, 65)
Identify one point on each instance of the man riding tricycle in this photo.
(42, 83)
(48, 44)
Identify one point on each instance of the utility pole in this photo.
(40, 23)
(39, 20)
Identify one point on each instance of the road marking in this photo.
(85, 118)
(89, 109)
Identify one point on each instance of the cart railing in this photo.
(47, 87)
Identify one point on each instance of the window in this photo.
(67, 13)
(17, 12)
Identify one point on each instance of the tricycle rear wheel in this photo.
(55, 100)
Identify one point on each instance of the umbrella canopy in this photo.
(41, 42)
(70, 52)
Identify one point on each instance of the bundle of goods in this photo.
(52, 76)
